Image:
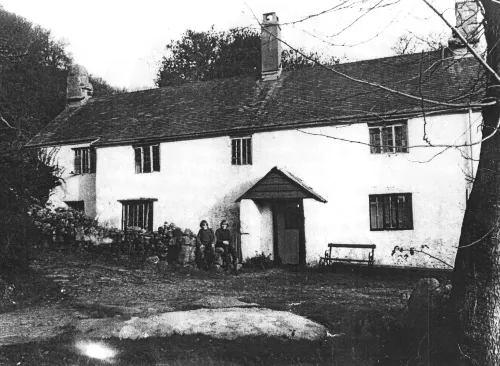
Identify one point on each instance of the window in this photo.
(85, 160)
(241, 151)
(389, 138)
(76, 205)
(137, 213)
(391, 212)
(147, 158)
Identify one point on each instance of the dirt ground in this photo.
(83, 279)
(347, 304)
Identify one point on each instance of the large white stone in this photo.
(229, 323)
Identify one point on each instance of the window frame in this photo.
(75, 205)
(241, 150)
(84, 160)
(144, 220)
(379, 144)
(387, 226)
(150, 160)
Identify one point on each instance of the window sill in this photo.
(391, 229)
(389, 153)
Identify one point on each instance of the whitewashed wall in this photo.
(197, 181)
(76, 187)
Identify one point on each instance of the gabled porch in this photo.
(272, 217)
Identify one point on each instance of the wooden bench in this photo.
(328, 259)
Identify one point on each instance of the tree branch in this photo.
(477, 241)
(467, 44)
(7, 123)
(495, 130)
(376, 85)
(413, 250)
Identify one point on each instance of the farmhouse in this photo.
(370, 152)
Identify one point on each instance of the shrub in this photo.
(260, 261)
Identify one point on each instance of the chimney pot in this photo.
(78, 87)
(270, 47)
(466, 23)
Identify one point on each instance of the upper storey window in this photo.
(241, 150)
(85, 160)
(147, 158)
(389, 138)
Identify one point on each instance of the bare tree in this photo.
(411, 43)
(476, 276)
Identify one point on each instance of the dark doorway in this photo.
(288, 226)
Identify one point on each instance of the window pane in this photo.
(238, 151)
(124, 215)
(394, 211)
(375, 215)
(404, 138)
(375, 140)
(391, 212)
(402, 216)
(76, 205)
(387, 212)
(400, 138)
(138, 213)
(85, 161)
(233, 152)
(131, 215)
(147, 159)
(156, 158)
(387, 141)
(93, 160)
(244, 150)
(249, 152)
(149, 222)
(78, 161)
(138, 160)
(147, 214)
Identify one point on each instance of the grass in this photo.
(176, 350)
(364, 312)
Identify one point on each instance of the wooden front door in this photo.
(289, 240)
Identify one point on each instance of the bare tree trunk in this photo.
(476, 277)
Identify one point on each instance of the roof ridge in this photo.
(242, 103)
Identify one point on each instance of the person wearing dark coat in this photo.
(223, 240)
(205, 241)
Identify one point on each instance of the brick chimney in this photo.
(467, 25)
(78, 87)
(270, 47)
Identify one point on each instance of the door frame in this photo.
(302, 238)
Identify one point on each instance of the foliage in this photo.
(202, 56)
(33, 69)
(410, 43)
(101, 88)
(405, 253)
(29, 181)
(260, 261)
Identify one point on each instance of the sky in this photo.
(124, 41)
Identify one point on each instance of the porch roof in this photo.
(279, 183)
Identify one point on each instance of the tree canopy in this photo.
(202, 56)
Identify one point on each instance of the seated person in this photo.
(223, 240)
(205, 241)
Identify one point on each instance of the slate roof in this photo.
(305, 97)
(289, 177)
